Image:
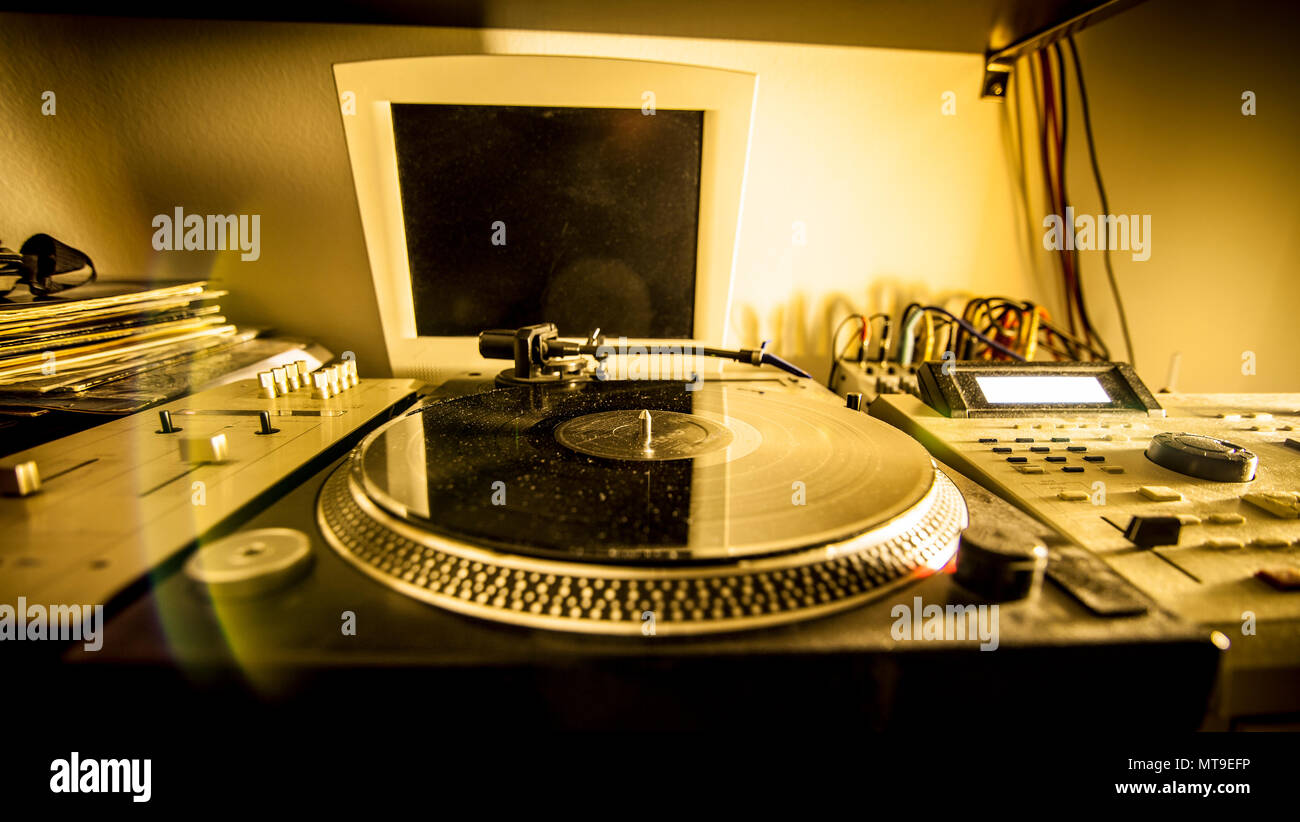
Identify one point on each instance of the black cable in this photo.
(1090, 330)
(1101, 191)
(835, 360)
(1085, 320)
(972, 331)
(902, 326)
(1072, 343)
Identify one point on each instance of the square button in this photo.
(1072, 496)
(1282, 505)
(1283, 578)
(1270, 542)
(1160, 493)
(1224, 543)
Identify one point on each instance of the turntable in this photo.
(603, 507)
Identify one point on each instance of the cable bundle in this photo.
(1052, 110)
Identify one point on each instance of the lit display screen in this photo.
(1042, 390)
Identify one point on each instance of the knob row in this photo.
(324, 383)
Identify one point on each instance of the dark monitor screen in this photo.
(584, 217)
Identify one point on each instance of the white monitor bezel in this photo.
(726, 97)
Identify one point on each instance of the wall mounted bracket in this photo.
(1000, 62)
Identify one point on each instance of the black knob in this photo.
(265, 419)
(1000, 561)
(1202, 457)
(165, 420)
(853, 400)
(1153, 531)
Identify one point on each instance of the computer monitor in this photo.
(498, 191)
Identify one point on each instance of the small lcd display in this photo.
(1041, 390)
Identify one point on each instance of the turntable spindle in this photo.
(645, 430)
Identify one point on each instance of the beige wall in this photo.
(222, 117)
(1165, 81)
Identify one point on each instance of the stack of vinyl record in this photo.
(101, 333)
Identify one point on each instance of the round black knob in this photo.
(1203, 457)
(1000, 561)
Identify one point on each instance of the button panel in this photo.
(1089, 475)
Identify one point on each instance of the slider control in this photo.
(204, 449)
(1153, 531)
(20, 479)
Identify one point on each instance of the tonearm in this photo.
(541, 356)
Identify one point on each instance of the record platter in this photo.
(610, 506)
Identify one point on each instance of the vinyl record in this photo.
(643, 472)
(641, 508)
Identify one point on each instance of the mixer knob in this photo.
(1202, 457)
(321, 385)
(165, 420)
(266, 385)
(1000, 561)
